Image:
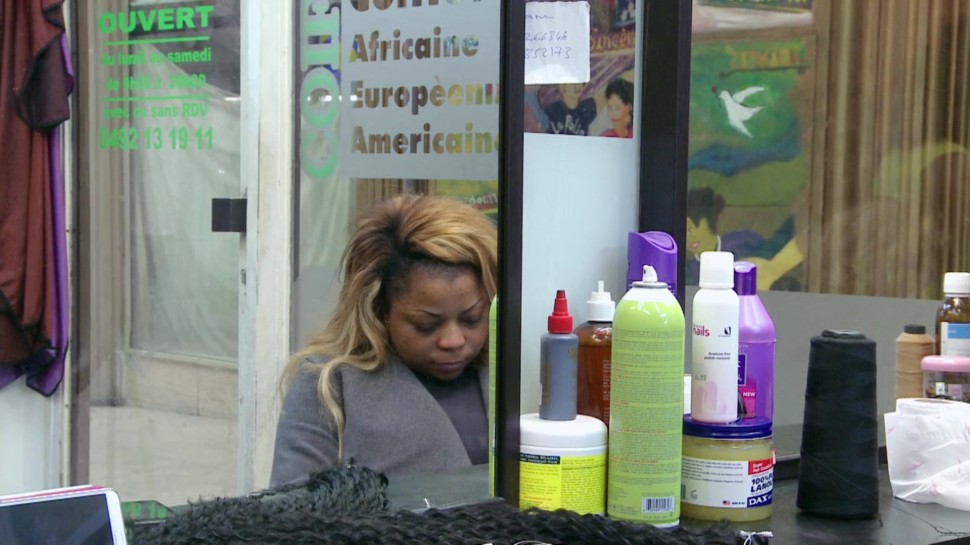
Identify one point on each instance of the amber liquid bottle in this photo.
(953, 317)
(593, 357)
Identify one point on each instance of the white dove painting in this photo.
(737, 112)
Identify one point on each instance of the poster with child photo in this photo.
(604, 105)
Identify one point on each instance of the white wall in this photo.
(31, 427)
(579, 204)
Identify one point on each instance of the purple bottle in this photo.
(756, 346)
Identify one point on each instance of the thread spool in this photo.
(911, 347)
(838, 471)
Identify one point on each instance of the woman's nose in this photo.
(451, 336)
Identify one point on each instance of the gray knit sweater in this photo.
(392, 425)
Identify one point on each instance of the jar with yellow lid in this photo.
(727, 470)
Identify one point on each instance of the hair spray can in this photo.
(646, 401)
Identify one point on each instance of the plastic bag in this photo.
(928, 450)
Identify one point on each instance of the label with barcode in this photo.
(657, 505)
(727, 484)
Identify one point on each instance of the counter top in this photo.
(899, 522)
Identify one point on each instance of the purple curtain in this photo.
(35, 81)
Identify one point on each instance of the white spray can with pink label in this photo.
(714, 342)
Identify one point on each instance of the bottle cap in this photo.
(745, 278)
(914, 329)
(956, 283)
(560, 321)
(649, 279)
(717, 270)
(655, 248)
(946, 364)
(580, 432)
(756, 427)
(600, 307)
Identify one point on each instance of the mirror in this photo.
(846, 200)
(394, 97)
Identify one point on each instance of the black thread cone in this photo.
(838, 474)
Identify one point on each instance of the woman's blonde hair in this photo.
(390, 240)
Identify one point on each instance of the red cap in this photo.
(560, 321)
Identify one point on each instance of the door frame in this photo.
(266, 249)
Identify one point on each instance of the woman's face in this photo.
(440, 323)
(620, 114)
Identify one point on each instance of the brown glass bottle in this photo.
(593, 377)
(953, 317)
(593, 356)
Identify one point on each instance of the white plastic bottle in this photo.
(714, 342)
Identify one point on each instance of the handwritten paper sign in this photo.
(556, 42)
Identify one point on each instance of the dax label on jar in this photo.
(727, 484)
(727, 470)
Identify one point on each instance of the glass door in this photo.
(393, 97)
(158, 313)
(417, 90)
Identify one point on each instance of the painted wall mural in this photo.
(750, 135)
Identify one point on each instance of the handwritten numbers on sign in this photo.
(556, 42)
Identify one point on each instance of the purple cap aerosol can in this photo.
(657, 249)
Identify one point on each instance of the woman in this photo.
(396, 381)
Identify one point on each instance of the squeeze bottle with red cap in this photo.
(557, 364)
